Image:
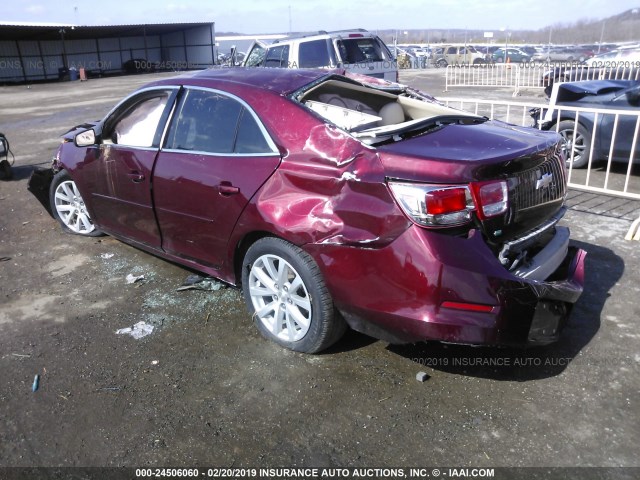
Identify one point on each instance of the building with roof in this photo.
(46, 52)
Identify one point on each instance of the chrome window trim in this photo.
(169, 88)
(270, 143)
(213, 154)
(137, 92)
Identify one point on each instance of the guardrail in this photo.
(612, 142)
(534, 75)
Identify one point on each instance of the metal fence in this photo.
(533, 76)
(611, 142)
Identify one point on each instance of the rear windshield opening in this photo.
(372, 113)
(358, 50)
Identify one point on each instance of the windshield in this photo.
(255, 58)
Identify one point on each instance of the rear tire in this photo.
(288, 298)
(578, 139)
(68, 207)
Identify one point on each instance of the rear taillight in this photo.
(434, 205)
(451, 205)
(444, 201)
(491, 198)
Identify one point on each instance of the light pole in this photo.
(64, 49)
(601, 35)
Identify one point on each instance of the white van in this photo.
(358, 51)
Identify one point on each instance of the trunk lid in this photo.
(531, 161)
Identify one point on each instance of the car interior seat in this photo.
(391, 114)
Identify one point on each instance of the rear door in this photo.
(216, 155)
(366, 55)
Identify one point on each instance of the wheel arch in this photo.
(241, 248)
(585, 122)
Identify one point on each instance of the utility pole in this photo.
(601, 36)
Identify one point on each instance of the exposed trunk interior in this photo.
(356, 108)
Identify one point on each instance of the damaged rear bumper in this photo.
(426, 286)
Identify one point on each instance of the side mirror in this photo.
(86, 138)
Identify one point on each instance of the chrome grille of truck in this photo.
(543, 184)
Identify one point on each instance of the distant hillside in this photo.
(624, 27)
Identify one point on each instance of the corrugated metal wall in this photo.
(38, 60)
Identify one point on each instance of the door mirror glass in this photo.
(86, 138)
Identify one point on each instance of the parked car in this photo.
(585, 72)
(620, 64)
(515, 55)
(457, 55)
(356, 50)
(332, 199)
(563, 54)
(628, 56)
(578, 131)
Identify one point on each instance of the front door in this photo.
(122, 203)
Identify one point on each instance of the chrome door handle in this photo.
(226, 188)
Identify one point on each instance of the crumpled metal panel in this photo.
(332, 191)
(329, 188)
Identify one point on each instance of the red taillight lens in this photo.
(434, 205)
(447, 200)
(491, 198)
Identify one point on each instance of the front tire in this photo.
(284, 290)
(68, 206)
(577, 139)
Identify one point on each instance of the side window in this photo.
(314, 54)
(277, 57)
(205, 122)
(136, 124)
(451, 51)
(250, 138)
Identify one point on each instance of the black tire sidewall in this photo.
(322, 310)
(571, 125)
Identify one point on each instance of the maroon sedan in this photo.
(333, 201)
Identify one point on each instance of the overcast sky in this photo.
(273, 16)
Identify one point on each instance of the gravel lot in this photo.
(205, 389)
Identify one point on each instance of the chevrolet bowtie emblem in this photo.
(544, 181)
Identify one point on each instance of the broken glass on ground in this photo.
(139, 330)
(198, 282)
(133, 279)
